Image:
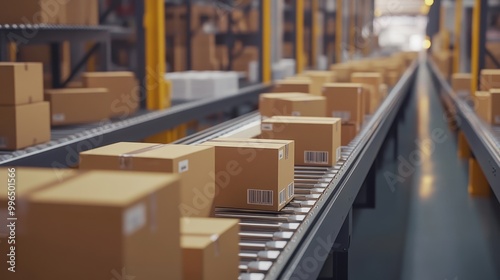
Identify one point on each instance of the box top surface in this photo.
(248, 143)
(303, 98)
(75, 91)
(196, 242)
(148, 150)
(20, 64)
(106, 188)
(294, 82)
(298, 78)
(343, 85)
(494, 91)
(366, 75)
(490, 72)
(302, 120)
(28, 180)
(461, 76)
(112, 74)
(206, 226)
(282, 95)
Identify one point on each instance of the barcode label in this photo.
(134, 218)
(291, 190)
(497, 119)
(282, 198)
(267, 126)
(183, 166)
(259, 197)
(3, 142)
(315, 157)
(58, 117)
(281, 154)
(338, 153)
(344, 115)
(295, 113)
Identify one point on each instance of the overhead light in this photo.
(377, 12)
(429, 2)
(426, 43)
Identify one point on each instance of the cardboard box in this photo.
(33, 12)
(392, 78)
(23, 126)
(254, 174)
(194, 164)
(345, 100)
(22, 83)
(267, 101)
(461, 82)
(318, 79)
(321, 150)
(123, 90)
(490, 78)
(32, 180)
(374, 80)
(82, 12)
(210, 246)
(349, 132)
(310, 106)
(342, 72)
(293, 86)
(482, 105)
(77, 105)
(111, 222)
(495, 106)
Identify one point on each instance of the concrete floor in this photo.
(426, 226)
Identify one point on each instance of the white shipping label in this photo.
(291, 190)
(497, 119)
(3, 142)
(58, 117)
(344, 115)
(183, 166)
(260, 197)
(316, 157)
(134, 218)
(267, 126)
(282, 197)
(295, 113)
(281, 154)
(339, 152)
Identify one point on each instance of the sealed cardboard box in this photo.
(33, 12)
(254, 174)
(22, 83)
(349, 131)
(267, 101)
(495, 106)
(342, 72)
(303, 86)
(490, 78)
(24, 125)
(374, 80)
(111, 222)
(25, 181)
(461, 82)
(310, 106)
(483, 105)
(77, 105)
(210, 248)
(194, 164)
(123, 90)
(321, 150)
(345, 100)
(82, 12)
(392, 78)
(370, 100)
(318, 79)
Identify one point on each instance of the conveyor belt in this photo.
(278, 245)
(483, 139)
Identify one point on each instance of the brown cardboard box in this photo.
(22, 83)
(318, 79)
(123, 90)
(194, 164)
(111, 222)
(24, 125)
(461, 82)
(349, 131)
(27, 180)
(293, 86)
(374, 80)
(267, 101)
(345, 100)
(321, 150)
(490, 78)
(310, 106)
(483, 105)
(77, 105)
(253, 174)
(342, 71)
(210, 246)
(367, 97)
(33, 12)
(495, 106)
(392, 78)
(82, 12)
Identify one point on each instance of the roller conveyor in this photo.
(274, 245)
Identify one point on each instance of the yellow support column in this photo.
(299, 35)
(476, 28)
(157, 89)
(458, 34)
(463, 146)
(338, 32)
(478, 185)
(266, 41)
(315, 33)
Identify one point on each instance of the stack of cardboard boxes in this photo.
(24, 116)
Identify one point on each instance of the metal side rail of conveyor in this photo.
(483, 138)
(277, 245)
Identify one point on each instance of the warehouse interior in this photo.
(250, 139)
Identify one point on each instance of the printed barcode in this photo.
(260, 197)
(291, 190)
(3, 142)
(267, 126)
(315, 157)
(282, 197)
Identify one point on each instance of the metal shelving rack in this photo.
(319, 218)
(483, 139)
